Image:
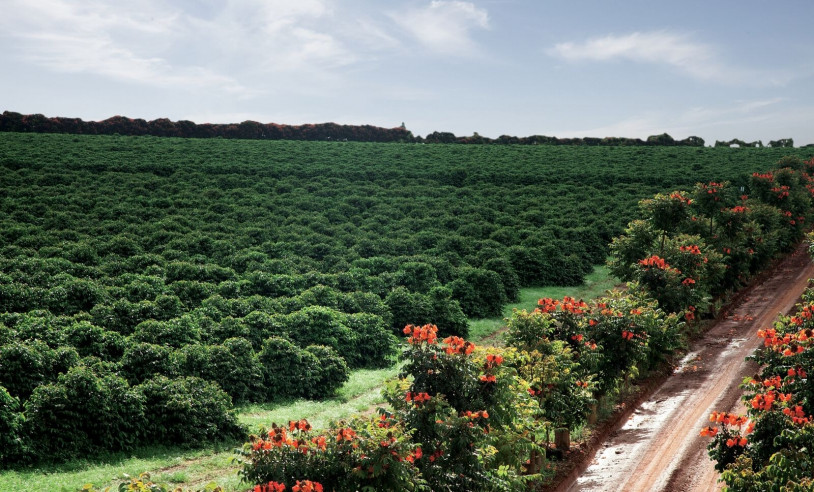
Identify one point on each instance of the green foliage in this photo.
(480, 293)
(291, 372)
(362, 454)
(24, 366)
(11, 422)
(233, 365)
(141, 361)
(174, 333)
(81, 413)
(88, 339)
(187, 411)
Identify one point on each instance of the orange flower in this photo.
(709, 431)
(270, 487)
(307, 486)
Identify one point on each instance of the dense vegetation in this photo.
(470, 419)
(132, 265)
(769, 448)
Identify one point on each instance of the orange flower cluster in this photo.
(578, 337)
(277, 438)
(690, 314)
(709, 431)
(307, 486)
(797, 371)
(768, 176)
(421, 334)
(736, 441)
(493, 361)
(782, 191)
(789, 344)
(270, 487)
(658, 262)
(457, 345)
(627, 335)
(740, 209)
(727, 418)
(797, 415)
(692, 249)
(568, 305)
(713, 188)
(415, 456)
(688, 281)
(384, 421)
(301, 425)
(681, 198)
(417, 397)
(765, 401)
(320, 442)
(346, 434)
(488, 378)
(804, 314)
(582, 384)
(474, 415)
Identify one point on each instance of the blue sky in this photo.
(715, 69)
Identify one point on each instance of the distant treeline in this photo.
(163, 127)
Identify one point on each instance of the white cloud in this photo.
(444, 26)
(123, 42)
(698, 60)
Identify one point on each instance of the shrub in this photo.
(187, 411)
(376, 346)
(233, 365)
(82, 413)
(88, 339)
(331, 374)
(26, 365)
(287, 370)
(363, 454)
(11, 421)
(174, 333)
(142, 361)
(480, 293)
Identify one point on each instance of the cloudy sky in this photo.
(717, 69)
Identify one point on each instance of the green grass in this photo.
(362, 391)
(596, 283)
(194, 469)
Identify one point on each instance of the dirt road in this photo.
(658, 447)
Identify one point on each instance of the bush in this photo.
(26, 365)
(88, 339)
(174, 333)
(233, 365)
(331, 374)
(376, 346)
(82, 413)
(480, 293)
(141, 361)
(11, 420)
(287, 371)
(187, 411)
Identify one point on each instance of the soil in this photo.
(654, 443)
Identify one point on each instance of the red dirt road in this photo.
(657, 448)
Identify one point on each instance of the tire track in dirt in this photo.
(658, 447)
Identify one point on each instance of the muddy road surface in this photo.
(658, 447)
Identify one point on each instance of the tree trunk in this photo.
(562, 439)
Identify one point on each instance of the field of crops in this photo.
(131, 266)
